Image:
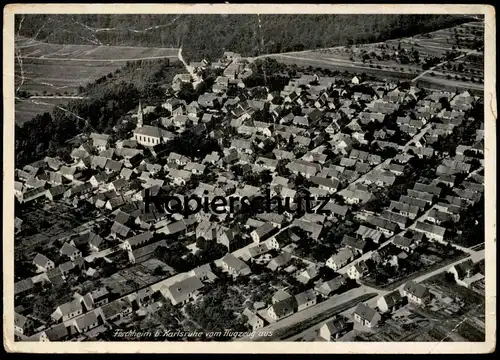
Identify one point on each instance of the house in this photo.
(178, 159)
(266, 163)
(86, 322)
(148, 135)
(70, 251)
(404, 243)
(308, 274)
(254, 321)
(357, 196)
(242, 145)
(358, 270)
(410, 211)
(280, 295)
(330, 185)
(263, 232)
(334, 329)
(438, 217)
(279, 261)
(117, 309)
(416, 293)
(23, 286)
(195, 168)
(179, 177)
(366, 316)
(42, 263)
(282, 309)
(70, 173)
(380, 178)
(331, 286)
(466, 273)
(137, 240)
(304, 168)
(367, 233)
(22, 323)
(55, 192)
(56, 333)
(100, 296)
(393, 219)
(100, 141)
(433, 232)
(339, 260)
(396, 169)
(113, 166)
(184, 291)
(67, 311)
(99, 179)
(390, 302)
(305, 299)
(120, 230)
(358, 246)
(235, 266)
(66, 267)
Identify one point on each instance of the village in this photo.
(403, 167)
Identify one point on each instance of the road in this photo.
(442, 63)
(52, 97)
(98, 60)
(382, 165)
(479, 255)
(330, 61)
(102, 254)
(312, 311)
(423, 217)
(196, 78)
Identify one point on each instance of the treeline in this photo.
(209, 35)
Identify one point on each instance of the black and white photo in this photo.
(249, 178)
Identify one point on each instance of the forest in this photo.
(209, 35)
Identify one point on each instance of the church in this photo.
(148, 135)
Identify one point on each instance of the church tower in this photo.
(139, 116)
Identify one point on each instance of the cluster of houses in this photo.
(115, 178)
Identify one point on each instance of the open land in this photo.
(55, 70)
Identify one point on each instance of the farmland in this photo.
(43, 69)
(450, 58)
(27, 109)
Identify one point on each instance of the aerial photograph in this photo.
(249, 178)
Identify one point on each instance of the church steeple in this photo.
(139, 116)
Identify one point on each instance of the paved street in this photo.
(477, 256)
(313, 310)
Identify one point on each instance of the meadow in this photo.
(43, 69)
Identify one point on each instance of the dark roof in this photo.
(120, 229)
(141, 238)
(57, 332)
(336, 325)
(284, 307)
(23, 285)
(393, 298)
(464, 267)
(350, 241)
(415, 289)
(365, 312)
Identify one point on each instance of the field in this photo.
(43, 69)
(450, 58)
(27, 109)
